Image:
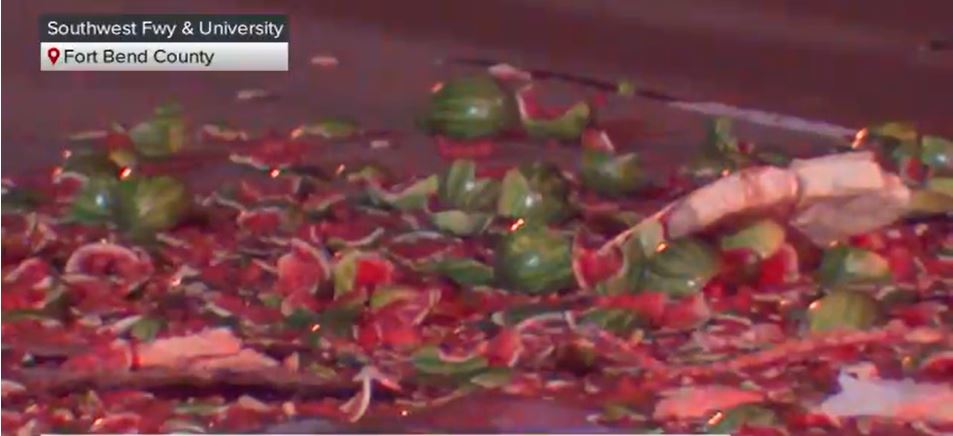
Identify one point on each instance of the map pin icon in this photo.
(53, 54)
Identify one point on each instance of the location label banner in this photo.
(164, 43)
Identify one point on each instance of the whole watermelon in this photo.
(534, 259)
(470, 107)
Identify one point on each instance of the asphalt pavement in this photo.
(830, 61)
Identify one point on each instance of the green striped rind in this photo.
(683, 268)
(937, 153)
(460, 223)
(644, 242)
(753, 415)
(463, 271)
(611, 175)
(388, 295)
(534, 259)
(161, 136)
(414, 196)
(97, 202)
(941, 185)
(152, 204)
(471, 107)
(566, 127)
(429, 360)
(845, 265)
(344, 273)
(844, 309)
(764, 238)
(894, 130)
(536, 193)
(930, 202)
(460, 188)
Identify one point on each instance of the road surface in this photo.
(846, 65)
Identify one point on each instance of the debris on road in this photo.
(254, 94)
(140, 306)
(324, 61)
